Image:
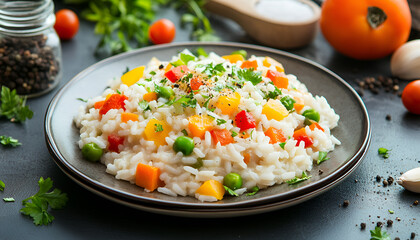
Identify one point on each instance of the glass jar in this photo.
(30, 51)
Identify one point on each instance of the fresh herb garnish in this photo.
(234, 134)
(184, 132)
(217, 70)
(254, 190)
(186, 58)
(144, 105)
(230, 191)
(153, 73)
(2, 185)
(37, 205)
(118, 91)
(383, 152)
(202, 52)
(9, 141)
(81, 99)
(378, 234)
(298, 180)
(178, 63)
(220, 121)
(13, 106)
(250, 75)
(158, 127)
(282, 144)
(322, 157)
(287, 102)
(273, 94)
(391, 211)
(9, 199)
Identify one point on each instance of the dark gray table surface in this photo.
(88, 216)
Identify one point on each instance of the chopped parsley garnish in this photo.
(383, 152)
(186, 58)
(230, 191)
(81, 99)
(254, 190)
(158, 127)
(220, 121)
(118, 91)
(322, 157)
(391, 211)
(177, 63)
(211, 70)
(273, 94)
(378, 234)
(2, 185)
(234, 134)
(287, 102)
(202, 52)
(148, 79)
(37, 205)
(250, 75)
(9, 199)
(298, 180)
(153, 73)
(282, 144)
(184, 132)
(13, 106)
(9, 141)
(144, 105)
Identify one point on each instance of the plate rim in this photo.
(57, 156)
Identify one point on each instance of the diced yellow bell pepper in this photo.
(233, 58)
(168, 67)
(212, 188)
(199, 125)
(274, 109)
(229, 104)
(132, 76)
(268, 61)
(157, 131)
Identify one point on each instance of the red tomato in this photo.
(244, 120)
(66, 24)
(162, 31)
(114, 141)
(411, 97)
(176, 73)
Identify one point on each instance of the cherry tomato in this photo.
(367, 29)
(411, 97)
(66, 24)
(162, 31)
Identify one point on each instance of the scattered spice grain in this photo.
(416, 203)
(346, 203)
(389, 223)
(363, 226)
(388, 117)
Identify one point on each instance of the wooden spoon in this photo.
(268, 31)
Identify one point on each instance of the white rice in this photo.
(269, 163)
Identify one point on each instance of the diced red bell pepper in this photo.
(196, 83)
(223, 136)
(115, 101)
(114, 141)
(279, 79)
(244, 120)
(300, 135)
(176, 73)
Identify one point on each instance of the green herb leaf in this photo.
(298, 180)
(9, 199)
(217, 70)
(184, 132)
(234, 134)
(158, 127)
(178, 63)
(186, 58)
(391, 211)
(273, 94)
(37, 205)
(282, 144)
(81, 99)
(2, 185)
(287, 102)
(118, 91)
(153, 73)
(9, 141)
(322, 157)
(144, 105)
(383, 152)
(202, 52)
(13, 106)
(378, 234)
(250, 75)
(220, 121)
(254, 190)
(230, 191)
(241, 52)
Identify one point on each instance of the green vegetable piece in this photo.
(184, 144)
(311, 114)
(13, 106)
(234, 134)
(233, 181)
(9, 199)
(2, 185)
(202, 52)
(378, 234)
(254, 190)
(37, 206)
(220, 121)
(82, 100)
(289, 102)
(282, 144)
(307, 122)
(92, 152)
(391, 211)
(144, 105)
(274, 94)
(186, 58)
(230, 191)
(198, 164)
(383, 152)
(298, 180)
(241, 52)
(166, 92)
(322, 157)
(158, 127)
(9, 141)
(178, 63)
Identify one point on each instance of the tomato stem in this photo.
(376, 17)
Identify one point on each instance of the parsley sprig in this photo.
(2, 185)
(378, 234)
(383, 152)
(37, 205)
(13, 106)
(322, 157)
(299, 179)
(9, 141)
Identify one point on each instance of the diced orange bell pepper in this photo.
(279, 79)
(223, 136)
(247, 158)
(268, 61)
(168, 67)
(300, 135)
(99, 104)
(125, 117)
(147, 176)
(275, 135)
(315, 125)
(212, 188)
(233, 58)
(199, 125)
(150, 96)
(250, 64)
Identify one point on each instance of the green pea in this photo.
(232, 181)
(166, 92)
(92, 152)
(311, 114)
(184, 144)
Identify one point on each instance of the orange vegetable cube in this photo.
(212, 188)
(168, 67)
(299, 104)
(301, 135)
(315, 125)
(275, 135)
(150, 96)
(229, 104)
(233, 58)
(99, 104)
(196, 83)
(279, 79)
(147, 176)
(199, 125)
(125, 117)
(268, 61)
(250, 64)
(157, 131)
(273, 109)
(221, 135)
(247, 158)
(132, 76)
